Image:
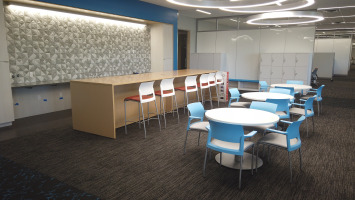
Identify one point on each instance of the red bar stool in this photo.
(146, 95)
(190, 86)
(212, 82)
(167, 90)
(204, 84)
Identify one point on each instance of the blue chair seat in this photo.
(277, 139)
(301, 111)
(199, 126)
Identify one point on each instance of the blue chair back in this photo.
(293, 132)
(308, 106)
(266, 106)
(263, 86)
(228, 133)
(235, 95)
(294, 82)
(292, 90)
(196, 110)
(282, 105)
(280, 90)
(319, 93)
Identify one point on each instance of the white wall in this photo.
(342, 48)
(161, 47)
(188, 24)
(243, 47)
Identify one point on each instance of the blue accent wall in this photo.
(129, 8)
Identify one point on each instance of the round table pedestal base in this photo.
(233, 161)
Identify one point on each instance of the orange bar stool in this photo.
(146, 95)
(190, 86)
(204, 84)
(167, 90)
(212, 82)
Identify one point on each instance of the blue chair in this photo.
(282, 110)
(235, 95)
(263, 86)
(228, 138)
(295, 82)
(280, 90)
(289, 140)
(292, 90)
(305, 109)
(265, 106)
(197, 112)
(318, 95)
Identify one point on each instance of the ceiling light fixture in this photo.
(332, 8)
(288, 5)
(202, 11)
(224, 3)
(340, 16)
(285, 18)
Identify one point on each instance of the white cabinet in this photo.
(278, 67)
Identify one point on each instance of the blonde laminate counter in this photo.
(97, 103)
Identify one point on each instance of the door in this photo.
(183, 49)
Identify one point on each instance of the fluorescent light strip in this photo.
(222, 4)
(272, 8)
(330, 29)
(234, 20)
(51, 13)
(202, 11)
(340, 16)
(332, 8)
(276, 18)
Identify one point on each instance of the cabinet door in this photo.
(288, 73)
(303, 59)
(265, 72)
(301, 74)
(265, 59)
(289, 60)
(275, 81)
(277, 59)
(276, 72)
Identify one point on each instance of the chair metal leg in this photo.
(139, 115)
(220, 159)
(148, 112)
(145, 132)
(187, 100)
(318, 107)
(162, 100)
(300, 154)
(198, 142)
(204, 165)
(125, 118)
(289, 160)
(257, 156)
(184, 101)
(252, 162)
(185, 141)
(202, 100)
(240, 172)
(177, 109)
(307, 126)
(198, 98)
(210, 97)
(156, 110)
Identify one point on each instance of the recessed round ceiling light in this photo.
(285, 18)
(288, 5)
(225, 3)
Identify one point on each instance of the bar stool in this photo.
(219, 82)
(212, 82)
(167, 90)
(204, 84)
(146, 95)
(190, 86)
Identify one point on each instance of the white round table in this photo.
(295, 86)
(262, 96)
(245, 117)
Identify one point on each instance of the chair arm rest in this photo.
(208, 127)
(297, 104)
(251, 134)
(303, 99)
(286, 122)
(192, 117)
(276, 131)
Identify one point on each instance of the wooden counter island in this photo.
(97, 103)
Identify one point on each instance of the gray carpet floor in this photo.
(132, 167)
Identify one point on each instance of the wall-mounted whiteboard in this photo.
(243, 48)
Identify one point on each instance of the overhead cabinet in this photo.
(280, 67)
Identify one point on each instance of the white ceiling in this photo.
(344, 23)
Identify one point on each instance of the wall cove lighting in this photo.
(224, 3)
(202, 11)
(45, 12)
(285, 6)
(285, 18)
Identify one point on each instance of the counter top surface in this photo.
(145, 77)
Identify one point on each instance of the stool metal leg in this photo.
(148, 113)
(162, 100)
(139, 115)
(145, 132)
(125, 118)
(156, 109)
(177, 109)
(210, 97)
